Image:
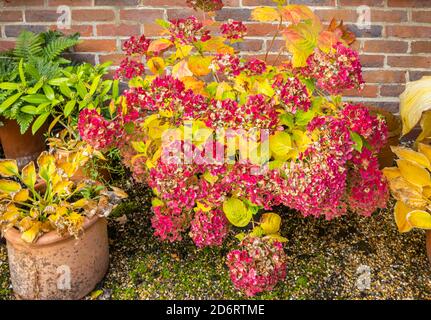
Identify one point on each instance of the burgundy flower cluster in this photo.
(188, 30)
(233, 30)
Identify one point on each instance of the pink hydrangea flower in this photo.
(233, 30)
(188, 30)
(208, 228)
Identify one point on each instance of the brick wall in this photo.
(394, 49)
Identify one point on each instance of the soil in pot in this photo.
(58, 267)
(386, 156)
(22, 147)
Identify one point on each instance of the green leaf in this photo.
(49, 93)
(9, 86)
(30, 109)
(39, 122)
(36, 87)
(81, 90)
(163, 23)
(21, 72)
(8, 168)
(115, 89)
(65, 90)
(236, 212)
(68, 108)
(8, 186)
(94, 84)
(357, 139)
(35, 98)
(58, 81)
(9, 101)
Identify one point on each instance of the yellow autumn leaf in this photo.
(236, 212)
(414, 173)
(425, 149)
(8, 168)
(280, 144)
(62, 187)
(209, 177)
(265, 14)
(391, 172)
(181, 70)
(203, 206)
(21, 196)
(8, 187)
(197, 86)
(270, 223)
(419, 219)
(426, 126)
(200, 65)
(409, 154)
(159, 45)
(400, 213)
(409, 193)
(32, 233)
(414, 101)
(183, 51)
(156, 65)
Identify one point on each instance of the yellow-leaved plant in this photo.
(410, 180)
(39, 201)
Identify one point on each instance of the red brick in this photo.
(421, 47)
(314, 2)
(421, 16)
(410, 61)
(26, 3)
(388, 16)
(258, 3)
(141, 15)
(183, 13)
(369, 91)
(41, 15)
(96, 45)
(261, 29)
(84, 30)
(114, 57)
(355, 3)
(409, 3)
(118, 30)
(249, 45)
(70, 3)
(152, 29)
(384, 76)
(93, 15)
(10, 16)
(385, 46)
(6, 45)
(118, 3)
(339, 14)
(159, 3)
(391, 90)
(372, 61)
(408, 31)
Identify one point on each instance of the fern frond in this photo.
(55, 47)
(28, 45)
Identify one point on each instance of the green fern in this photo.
(24, 121)
(55, 47)
(28, 45)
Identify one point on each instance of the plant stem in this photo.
(273, 38)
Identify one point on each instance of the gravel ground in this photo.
(327, 259)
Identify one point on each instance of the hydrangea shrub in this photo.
(222, 139)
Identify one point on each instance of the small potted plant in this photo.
(410, 179)
(25, 71)
(56, 229)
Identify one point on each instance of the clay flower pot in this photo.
(56, 267)
(386, 156)
(22, 147)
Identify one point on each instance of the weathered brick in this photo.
(26, 3)
(355, 3)
(96, 45)
(390, 106)
(373, 32)
(141, 15)
(249, 45)
(152, 29)
(391, 90)
(385, 46)
(119, 3)
(369, 91)
(384, 76)
(372, 61)
(70, 3)
(409, 3)
(121, 30)
(314, 2)
(236, 14)
(421, 47)
(261, 29)
(421, 16)
(347, 15)
(6, 45)
(81, 57)
(408, 31)
(15, 30)
(416, 75)
(41, 15)
(93, 15)
(388, 16)
(10, 16)
(258, 3)
(182, 13)
(410, 61)
(114, 57)
(83, 30)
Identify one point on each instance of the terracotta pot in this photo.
(56, 267)
(428, 244)
(22, 147)
(386, 156)
(82, 173)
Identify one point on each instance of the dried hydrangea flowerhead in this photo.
(293, 94)
(188, 30)
(205, 5)
(258, 265)
(208, 228)
(233, 30)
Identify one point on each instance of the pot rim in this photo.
(13, 235)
